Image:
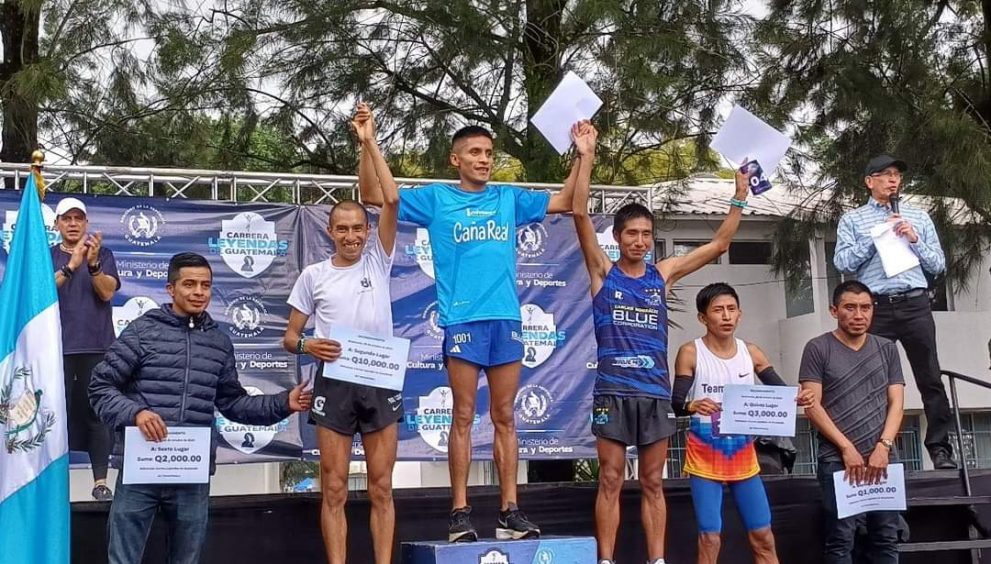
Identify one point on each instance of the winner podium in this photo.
(546, 550)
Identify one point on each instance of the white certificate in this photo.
(182, 458)
(895, 251)
(368, 359)
(889, 495)
(569, 103)
(745, 137)
(759, 410)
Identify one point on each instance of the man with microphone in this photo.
(901, 302)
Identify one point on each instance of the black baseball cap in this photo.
(882, 162)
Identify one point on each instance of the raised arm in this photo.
(562, 201)
(596, 260)
(371, 155)
(368, 182)
(676, 268)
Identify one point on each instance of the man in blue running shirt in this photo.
(632, 395)
(472, 228)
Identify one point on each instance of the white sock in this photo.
(658, 561)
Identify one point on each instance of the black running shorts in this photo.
(633, 421)
(353, 408)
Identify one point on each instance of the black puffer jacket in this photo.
(181, 372)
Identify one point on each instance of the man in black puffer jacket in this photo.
(174, 367)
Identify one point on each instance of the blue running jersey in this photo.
(473, 242)
(631, 331)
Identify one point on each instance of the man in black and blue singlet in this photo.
(632, 395)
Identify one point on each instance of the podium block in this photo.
(546, 550)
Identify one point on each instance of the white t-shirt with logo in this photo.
(355, 296)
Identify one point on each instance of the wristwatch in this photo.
(94, 269)
(888, 443)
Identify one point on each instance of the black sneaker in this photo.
(942, 460)
(102, 493)
(459, 528)
(513, 525)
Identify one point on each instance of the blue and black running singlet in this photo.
(631, 330)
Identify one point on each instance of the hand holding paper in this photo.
(896, 253)
(571, 102)
(746, 140)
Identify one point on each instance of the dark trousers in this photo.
(840, 534)
(86, 431)
(186, 511)
(911, 322)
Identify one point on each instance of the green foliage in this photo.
(909, 78)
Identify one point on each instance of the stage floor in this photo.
(286, 528)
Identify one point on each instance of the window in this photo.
(976, 439)
(660, 249)
(676, 450)
(682, 248)
(833, 276)
(798, 298)
(940, 293)
(750, 252)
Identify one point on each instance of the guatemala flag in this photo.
(34, 458)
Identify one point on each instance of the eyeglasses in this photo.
(888, 174)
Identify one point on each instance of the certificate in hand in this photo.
(759, 410)
(182, 458)
(368, 359)
(889, 495)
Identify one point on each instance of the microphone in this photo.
(895, 198)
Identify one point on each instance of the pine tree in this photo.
(905, 77)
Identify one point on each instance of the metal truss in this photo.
(243, 186)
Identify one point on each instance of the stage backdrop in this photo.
(258, 250)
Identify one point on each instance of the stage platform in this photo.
(286, 528)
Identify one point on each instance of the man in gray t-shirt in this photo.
(859, 388)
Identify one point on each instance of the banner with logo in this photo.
(258, 250)
(251, 249)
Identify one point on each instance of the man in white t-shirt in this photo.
(351, 289)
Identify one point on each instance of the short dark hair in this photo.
(628, 212)
(186, 260)
(713, 291)
(346, 205)
(470, 131)
(852, 286)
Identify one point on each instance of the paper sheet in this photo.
(570, 102)
(889, 495)
(745, 137)
(896, 253)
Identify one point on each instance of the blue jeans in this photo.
(132, 513)
(840, 534)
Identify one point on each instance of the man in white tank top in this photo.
(703, 368)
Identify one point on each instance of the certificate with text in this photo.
(889, 495)
(368, 359)
(182, 458)
(759, 410)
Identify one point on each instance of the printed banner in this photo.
(257, 252)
